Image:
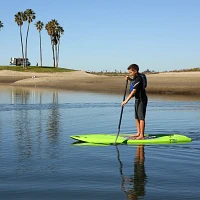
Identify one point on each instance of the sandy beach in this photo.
(183, 83)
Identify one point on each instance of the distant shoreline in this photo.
(181, 83)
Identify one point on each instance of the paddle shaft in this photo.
(120, 119)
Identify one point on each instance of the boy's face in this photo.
(132, 72)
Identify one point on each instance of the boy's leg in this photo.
(137, 121)
(141, 115)
(142, 128)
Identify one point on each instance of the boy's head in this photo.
(133, 69)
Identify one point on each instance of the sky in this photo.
(109, 34)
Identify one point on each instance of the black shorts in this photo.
(140, 109)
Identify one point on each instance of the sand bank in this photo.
(187, 83)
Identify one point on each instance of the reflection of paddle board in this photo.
(124, 139)
(86, 144)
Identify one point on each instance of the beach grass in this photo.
(197, 69)
(36, 69)
(109, 73)
(115, 73)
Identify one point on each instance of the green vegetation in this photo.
(187, 70)
(120, 73)
(109, 73)
(35, 69)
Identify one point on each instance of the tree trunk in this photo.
(58, 51)
(40, 49)
(22, 45)
(53, 54)
(26, 45)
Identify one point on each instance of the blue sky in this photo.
(109, 34)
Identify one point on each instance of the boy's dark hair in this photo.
(133, 67)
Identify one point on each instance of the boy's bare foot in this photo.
(134, 136)
(139, 138)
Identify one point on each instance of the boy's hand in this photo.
(124, 103)
(128, 78)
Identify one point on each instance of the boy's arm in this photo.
(131, 95)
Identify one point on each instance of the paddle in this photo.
(120, 119)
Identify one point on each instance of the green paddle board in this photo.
(124, 139)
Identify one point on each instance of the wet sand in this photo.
(182, 83)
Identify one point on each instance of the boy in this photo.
(140, 100)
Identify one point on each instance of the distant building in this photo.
(19, 61)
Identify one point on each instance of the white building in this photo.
(19, 61)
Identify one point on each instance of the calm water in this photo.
(38, 160)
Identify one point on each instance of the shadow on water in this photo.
(133, 186)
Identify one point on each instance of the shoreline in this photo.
(171, 83)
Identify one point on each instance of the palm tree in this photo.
(39, 25)
(60, 31)
(19, 18)
(55, 25)
(54, 30)
(51, 30)
(29, 15)
(1, 24)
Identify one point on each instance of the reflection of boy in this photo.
(139, 172)
(135, 187)
(140, 100)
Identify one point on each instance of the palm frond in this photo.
(19, 18)
(29, 15)
(1, 24)
(39, 25)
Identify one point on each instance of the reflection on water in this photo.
(53, 122)
(22, 128)
(20, 96)
(53, 127)
(39, 162)
(0, 131)
(28, 126)
(134, 185)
